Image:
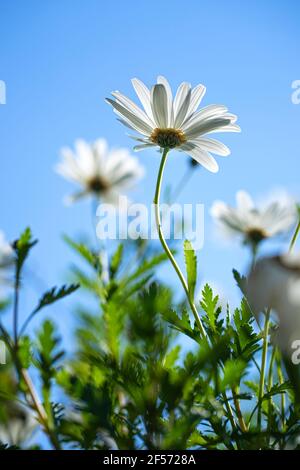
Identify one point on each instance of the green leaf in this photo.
(116, 261)
(83, 251)
(278, 389)
(233, 372)
(240, 280)
(50, 297)
(22, 247)
(191, 267)
(55, 294)
(209, 303)
(171, 358)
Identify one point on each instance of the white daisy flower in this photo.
(275, 283)
(255, 223)
(175, 123)
(6, 252)
(19, 428)
(99, 171)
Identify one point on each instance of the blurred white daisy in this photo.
(255, 223)
(175, 123)
(19, 427)
(6, 261)
(275, 283)
(101, 172)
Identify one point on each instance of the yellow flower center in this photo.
(168, 138)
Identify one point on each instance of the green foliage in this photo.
(140, 375)
(191, 267)
(22, 247)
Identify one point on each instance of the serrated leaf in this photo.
(50, 297)
(22, 247)
(55, 294)
(171, 358)
(116, 261)
(232, 374)
(191, 267)
(240, 280)
(83, 251)
(210, 305)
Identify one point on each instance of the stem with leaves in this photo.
(167, 250)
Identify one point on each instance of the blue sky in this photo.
(61, 58)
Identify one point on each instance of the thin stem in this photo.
(16, 308)
(103, 254)
(263, 366)
(282, 398)
(238, 410)
(168, 252)
(295, 236)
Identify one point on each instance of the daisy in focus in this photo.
(255, 224)
(275, 283)
(176, 123)
(102, 172)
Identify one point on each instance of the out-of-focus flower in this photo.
(6, 261)
(6, 252)
(175, 123)
(255, 223)
(19, 426)
(275, 283)
(99, 171)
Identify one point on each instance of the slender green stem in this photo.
(295, 236)
(165, 246)
(263, 365)
(239, 414)
(282, 397)
(16, 309)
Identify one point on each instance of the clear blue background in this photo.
(61, 58)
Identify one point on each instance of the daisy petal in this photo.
(181, 103)
(132, 107)
(214, 146)
(205, 127)
(144, 95)
(202, 157)
(134, 120)
(163, 81)
(227, 128)
(159, 102)
(137, 148)
(209, 112)
(244, 201)
(196, 96)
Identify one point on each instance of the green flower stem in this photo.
(263, 366)
(168, 252)
(242, 424)
(295, 236)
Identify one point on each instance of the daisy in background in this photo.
(6, 261)
(176, 123)
(274, 283)
(255, 224)
(101, 172)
